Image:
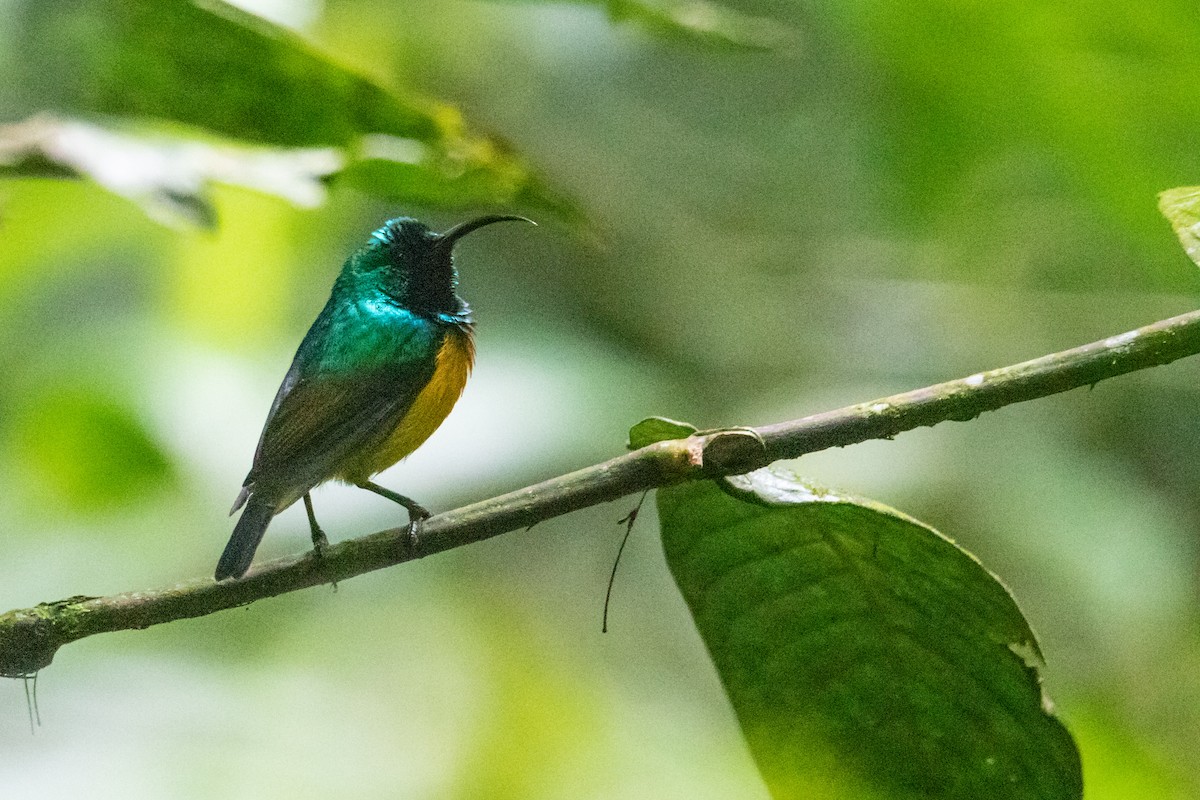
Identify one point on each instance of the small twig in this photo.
(30, 637)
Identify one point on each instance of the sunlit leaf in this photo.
(1181, 207)
(698, 20)
(865, 655)
(169, 178)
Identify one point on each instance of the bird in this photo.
(376, 374)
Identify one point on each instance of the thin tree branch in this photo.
(30, 637)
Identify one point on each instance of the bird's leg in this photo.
(417, 513)
(319, 540)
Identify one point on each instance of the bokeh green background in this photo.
(899, 194)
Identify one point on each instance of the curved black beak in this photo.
(446, 240)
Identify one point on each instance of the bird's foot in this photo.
(320, 548)
(412, 536)
(417, 514)
(320, 543)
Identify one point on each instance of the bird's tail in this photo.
(248, 532)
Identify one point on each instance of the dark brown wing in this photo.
(322, 421)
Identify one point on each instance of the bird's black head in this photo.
(415, 266)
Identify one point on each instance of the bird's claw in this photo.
(320, 547)
(416, 519)
(320, 542)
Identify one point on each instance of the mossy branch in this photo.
(30, 637)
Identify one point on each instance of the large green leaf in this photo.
(209, 65)
(205, 65)
(866, 656)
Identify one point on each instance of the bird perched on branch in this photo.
(375, 375)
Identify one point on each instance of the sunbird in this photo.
(376, 374)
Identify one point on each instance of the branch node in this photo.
(29, 639)
(734, 451)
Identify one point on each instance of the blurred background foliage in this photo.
(752, 211)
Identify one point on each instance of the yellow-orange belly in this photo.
(430, 408)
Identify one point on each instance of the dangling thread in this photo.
(31, 702)
(627, 521)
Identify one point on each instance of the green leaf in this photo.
(208, 65)
(480, 172)
(657, 429)
(1181, 207)
(866, 656)
(85, 451)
